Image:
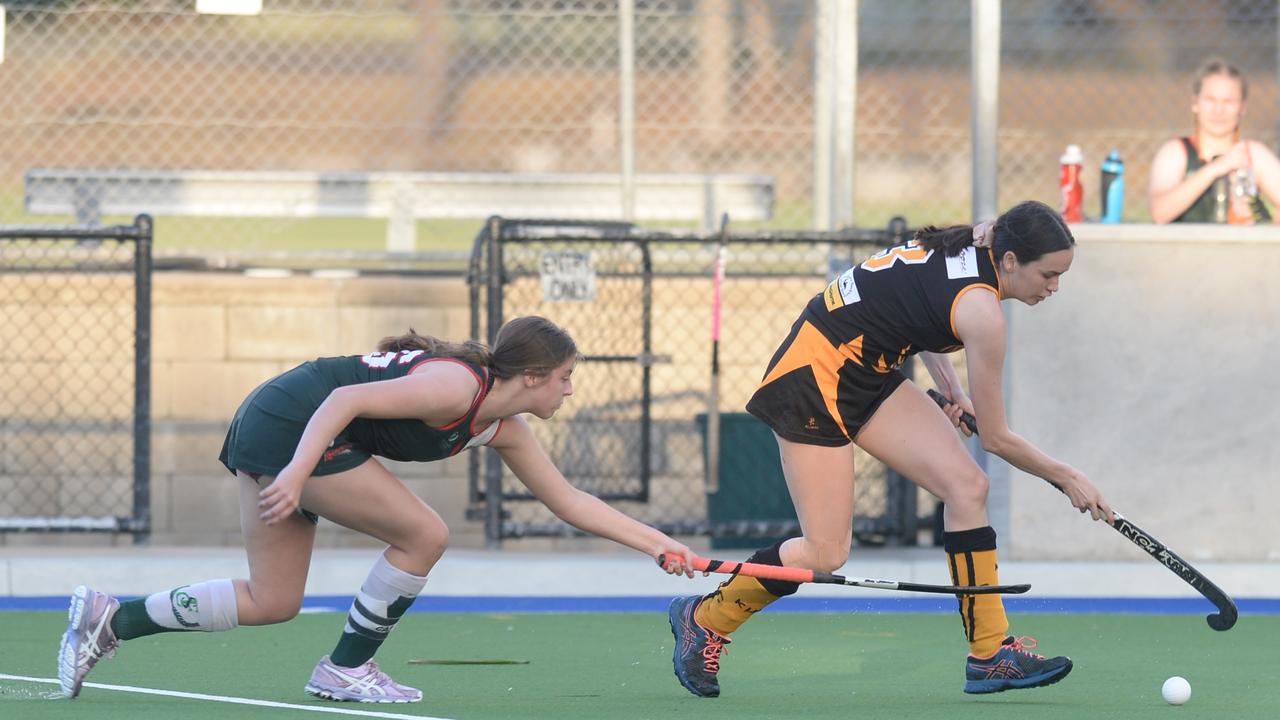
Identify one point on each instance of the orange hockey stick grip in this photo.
(755, 570)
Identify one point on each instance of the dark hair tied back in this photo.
(467, 351)
(1030, 230)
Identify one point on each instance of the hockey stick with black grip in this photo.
(1227, 613)
(802, 575)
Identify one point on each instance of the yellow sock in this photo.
(736, 600)
(740, 597)
(972, 556)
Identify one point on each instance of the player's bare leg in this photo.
(278, 559)
(370, 500)
(821, 483)
(910, 435)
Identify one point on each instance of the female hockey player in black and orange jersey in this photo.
(835, 381)
(302, 445)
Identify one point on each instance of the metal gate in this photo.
(75, 378)
(638, 304)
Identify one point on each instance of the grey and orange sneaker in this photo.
(365, 683)
(697, 652)
(88, 638)
(1013, 667)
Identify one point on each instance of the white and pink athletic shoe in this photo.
(366, 684)
(88, 637)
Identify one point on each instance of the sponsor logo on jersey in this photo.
(883, 366)
(843, 291)
(338, 451)
(964, 265)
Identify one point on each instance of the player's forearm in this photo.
(1167, 205)
(943, 373)
(1016, 451)
(591, 514)
(334, 414)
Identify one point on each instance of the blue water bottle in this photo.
(1112, 188)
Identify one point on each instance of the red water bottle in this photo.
(1069, 184)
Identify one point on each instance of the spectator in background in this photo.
(1191, 177)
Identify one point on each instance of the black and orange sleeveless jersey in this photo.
(268, 426)
(840, 360)
(899, 302)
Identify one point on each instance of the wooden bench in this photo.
(400, 197)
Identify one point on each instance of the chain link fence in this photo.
(1116, 75)
(533, 86)
(639, 305)
(75, 378)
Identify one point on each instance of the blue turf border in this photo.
(649, 604)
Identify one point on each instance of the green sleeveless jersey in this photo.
(268, 426)
(1204, 209)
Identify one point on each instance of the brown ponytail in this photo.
(527, 344)
(467, 351)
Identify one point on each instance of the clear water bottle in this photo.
(1242, 189)
(1069, 184)
(1112, 188)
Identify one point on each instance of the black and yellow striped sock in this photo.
(740, 597)
(972, 556)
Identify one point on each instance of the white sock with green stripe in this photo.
(383, 598)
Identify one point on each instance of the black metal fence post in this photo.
(493, 464)
(141, 520)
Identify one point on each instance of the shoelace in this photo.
(385, 680)
(711, 653)
(1024, 644)
(376, 673)
(372, 678)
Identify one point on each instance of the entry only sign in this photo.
(568, 275)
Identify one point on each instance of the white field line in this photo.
(230, 700)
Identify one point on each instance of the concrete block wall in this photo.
(1153, 372)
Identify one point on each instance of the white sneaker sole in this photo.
(339, 696)
(67, 650)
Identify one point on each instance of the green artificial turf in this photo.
(604, 666)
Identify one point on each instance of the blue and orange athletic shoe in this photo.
(697, 652)
(1012, 667)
